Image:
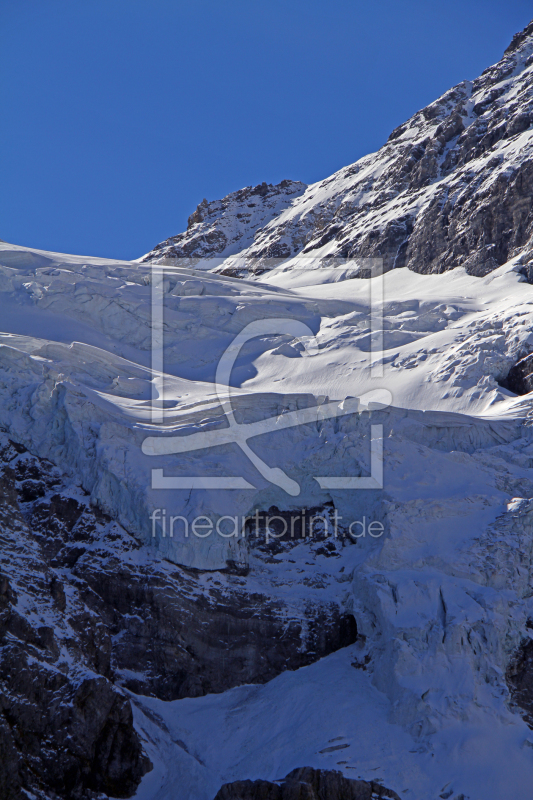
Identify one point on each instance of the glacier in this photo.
(441, 601)
(430, 695)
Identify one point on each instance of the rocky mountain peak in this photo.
(223, 227)
(519, 38)
(450, 188)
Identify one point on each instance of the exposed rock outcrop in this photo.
(83, 612)
(223, 227)
(308, 783)
(451, 187)
(520, 377)
(519, 678)
(175, 638)
(65, 730)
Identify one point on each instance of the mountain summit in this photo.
(451, 187)
(225, 227)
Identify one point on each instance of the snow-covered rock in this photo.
(224, 227)
(441, 600)
(451, 187)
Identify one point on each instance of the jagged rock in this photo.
(65, 730)
(62, 735)
(223, 227)
(308, 783)
(451, 187)
(520, 377)
(519, 677)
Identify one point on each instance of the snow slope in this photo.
(328, 715)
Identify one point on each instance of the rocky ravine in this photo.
(451, 187)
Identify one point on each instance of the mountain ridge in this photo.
(450, 187)
(223, 227)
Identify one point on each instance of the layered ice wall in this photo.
(88, 403)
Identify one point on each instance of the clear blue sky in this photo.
(119, 116)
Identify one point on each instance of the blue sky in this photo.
(119, 116)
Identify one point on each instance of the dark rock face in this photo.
(181, 642)
(520, 377)
(308, 783)
(64, 737)
(83, 614)
(65, 730)
(519, 679)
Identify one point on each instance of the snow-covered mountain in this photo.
(303, 609)
(451, 187)
(225, 227)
